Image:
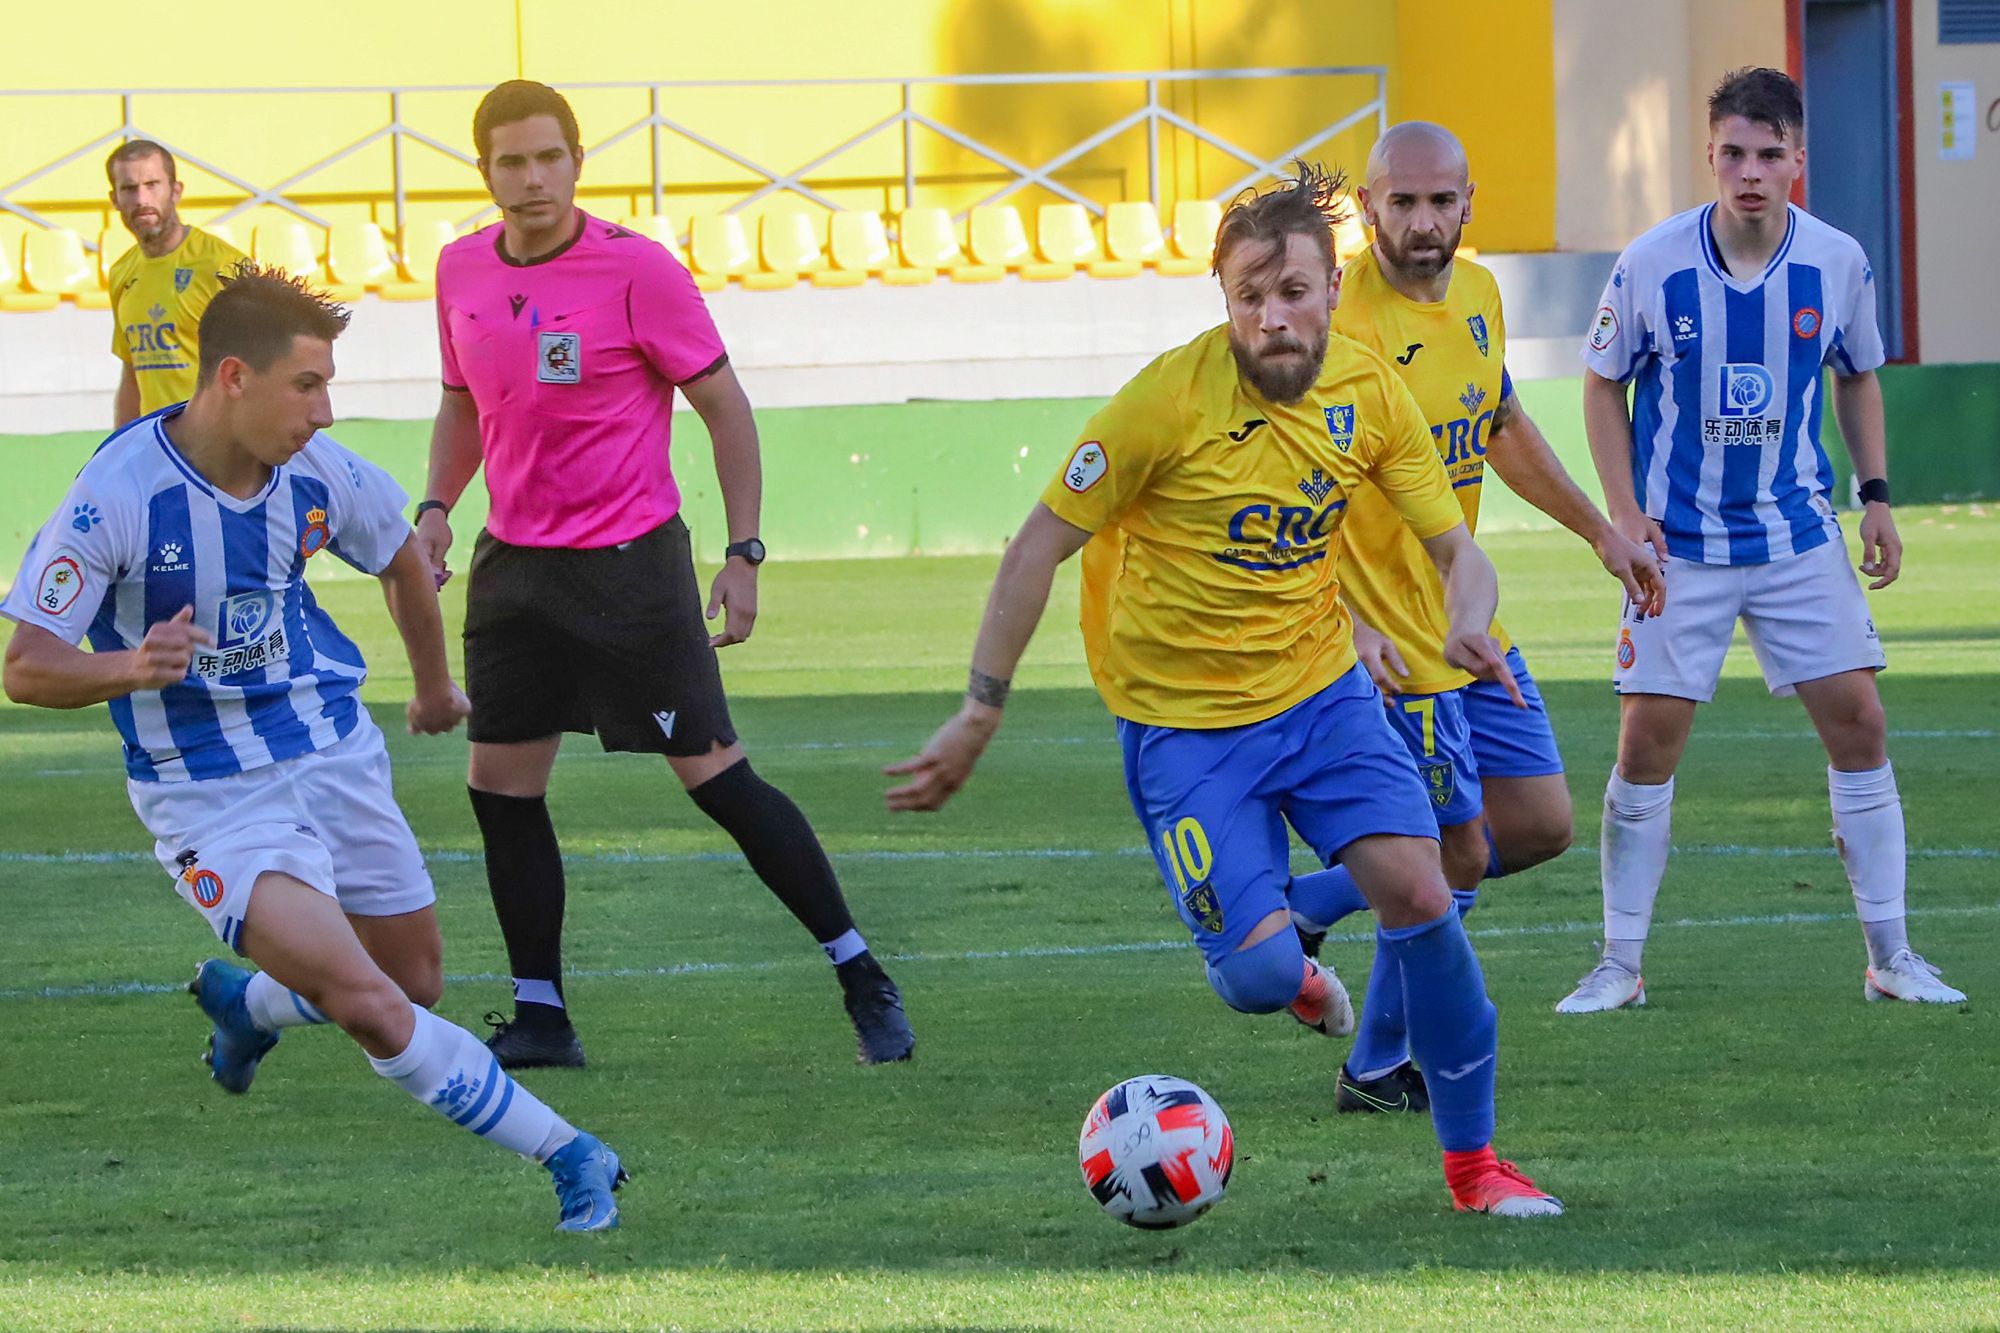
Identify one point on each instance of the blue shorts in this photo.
(1435, 731)
(1511, 742)
(1215, 802)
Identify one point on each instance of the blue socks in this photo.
(1320, 899)
(1381, 1039)
(1454, 1029)
(1263, 978)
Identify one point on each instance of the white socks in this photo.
(447, 1069)
(1632, 857)
(1868, 833)
(272, 1006)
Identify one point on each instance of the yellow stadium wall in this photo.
(1484, 68)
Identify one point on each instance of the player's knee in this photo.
(1544, 838)
(1857, 735)
(1261, 979)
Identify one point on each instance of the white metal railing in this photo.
(904, 120)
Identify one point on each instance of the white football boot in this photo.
(1323, 1004)
(1609, 985)
(1907, 976)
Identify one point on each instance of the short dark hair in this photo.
(1765, 96)
(1304, 204)
(132, 150)
(515, 101)
(258, 313)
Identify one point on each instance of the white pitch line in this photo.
(95, 990)
(1106, 740)
(455, 856)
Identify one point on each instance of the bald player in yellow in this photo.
(1208, 498)
(161, 285)
(1491, 767)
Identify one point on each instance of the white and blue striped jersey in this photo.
(141, 534)
(1726, 411)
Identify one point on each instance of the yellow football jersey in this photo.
(1209, 597)
(156, 306)
(1451, 355)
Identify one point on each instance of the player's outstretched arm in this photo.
(1607, 423)
(1013, 609)
(44, 671)
(455, 455)
(1857, 406)
(1520, 453)
(438, 704)
(739, 470)
(1471, 601)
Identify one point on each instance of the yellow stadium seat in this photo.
(422, 243)
(720, 250)
(1063, 240)
(291, 246)
(998, 240)
(12, 295)
(657, 227)
(1132, 235)
(1195, 221)
(54, 261)
(357, 257)
(112, 243)
(857, 247)
(223, 231)
(928, 241)
(789, 248)
(1466, 252)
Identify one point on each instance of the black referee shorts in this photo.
(608, 641)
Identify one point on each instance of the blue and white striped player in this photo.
(180, 553)
(1722, 317)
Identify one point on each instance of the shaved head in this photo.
(1418, 198)
(1417, 147)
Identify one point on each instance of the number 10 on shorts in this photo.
(1188, 854)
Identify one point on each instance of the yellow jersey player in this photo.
(1492, 769)
(161, 285)
(1208, 498)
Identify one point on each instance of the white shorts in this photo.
(1805, 615)
(329, 819)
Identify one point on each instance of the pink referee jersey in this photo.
(572, 359)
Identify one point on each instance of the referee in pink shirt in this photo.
(564, 338)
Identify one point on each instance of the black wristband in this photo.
(425, 506)
(1875, 491)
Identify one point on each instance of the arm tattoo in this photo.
(988, 690)
(1504, 414)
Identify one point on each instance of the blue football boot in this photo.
(587, 1175)
(237, 1044)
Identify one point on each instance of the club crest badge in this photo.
(1340, 425)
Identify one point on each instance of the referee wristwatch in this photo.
(751, 549)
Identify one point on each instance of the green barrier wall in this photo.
(956, 478)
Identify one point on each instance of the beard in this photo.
(1281, 382)
(151, 230)
(1427, 264)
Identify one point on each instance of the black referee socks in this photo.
(779, 844)
(524, 873)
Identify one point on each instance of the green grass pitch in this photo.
(1757, 1148)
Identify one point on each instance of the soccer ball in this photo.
(1156, 1152)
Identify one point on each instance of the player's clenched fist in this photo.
(167, 651)
(435, 715)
